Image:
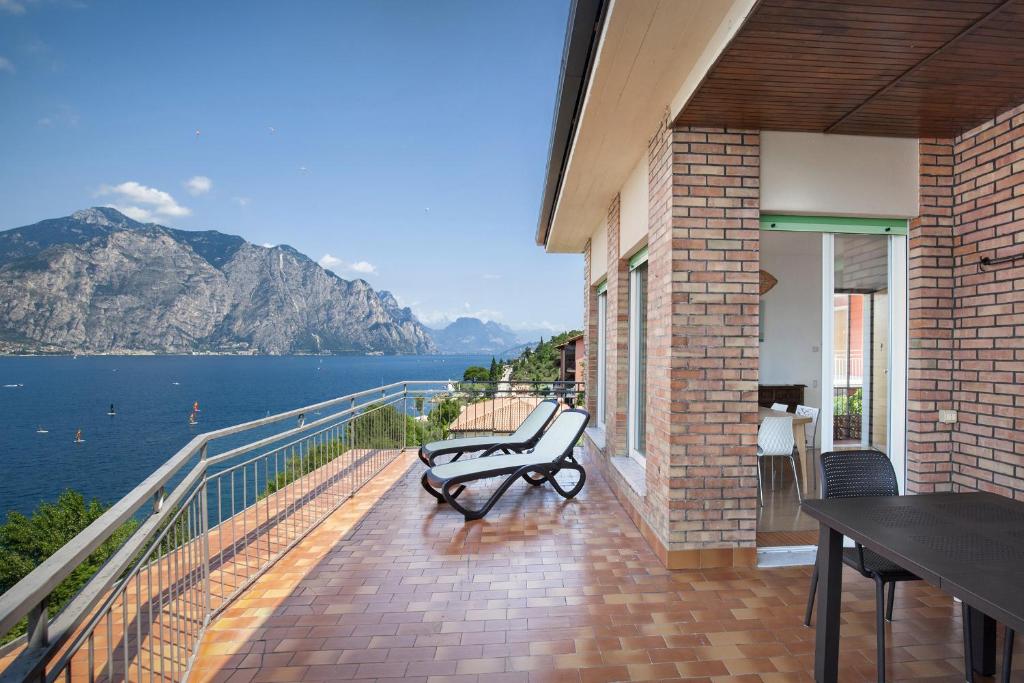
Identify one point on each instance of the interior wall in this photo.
(791, 350)
(839, 175)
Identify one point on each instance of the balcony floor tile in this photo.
(394, 586)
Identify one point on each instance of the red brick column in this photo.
(589, 338)
(930, 329)
(617, 338)
(702, 410)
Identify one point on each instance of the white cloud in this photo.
(336, 265)
(328, 262)
(241, 201)
(6, 64)
(197, 185)
(268, 245)
(441, 318)
(143, 203)
(491, 276)
(363, 267)
(12, 7)
(135, 213)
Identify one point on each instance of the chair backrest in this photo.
(781, 407)
(775, 436)
(808, 411)
(563, 434)
(845, 474)
(536, 421)
(811, 412)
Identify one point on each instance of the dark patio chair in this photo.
(847, 474)
(524, 438)
(552, 454)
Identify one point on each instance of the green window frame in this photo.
(638, 259)
(846, 224)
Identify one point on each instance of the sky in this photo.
(403, 142)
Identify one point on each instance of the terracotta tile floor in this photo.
(541, 590)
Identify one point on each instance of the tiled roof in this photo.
(494, 414)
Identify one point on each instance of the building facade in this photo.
(695, 147)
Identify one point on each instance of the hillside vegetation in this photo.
(540, 363)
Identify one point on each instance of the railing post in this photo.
(158, 499)
(37, 626)
(38, 635)
(405, 416)
(204, 522)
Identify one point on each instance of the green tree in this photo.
(442, 416)
(475, 373)
(25, 541)
(541, 363)
(494, 374)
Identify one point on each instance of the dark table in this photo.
(970, 545)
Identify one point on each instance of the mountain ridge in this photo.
(98, 281)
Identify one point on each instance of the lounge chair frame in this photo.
(449, 489)
(500, 444)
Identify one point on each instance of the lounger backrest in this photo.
(563, 434)
(536, 421)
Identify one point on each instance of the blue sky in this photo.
(402, 142)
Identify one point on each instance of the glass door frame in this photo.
(897, 348)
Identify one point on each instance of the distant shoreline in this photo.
(183, 354)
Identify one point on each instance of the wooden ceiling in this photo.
(899, 68)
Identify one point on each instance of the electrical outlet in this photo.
(947, 416)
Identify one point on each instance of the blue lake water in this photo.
(153, 396)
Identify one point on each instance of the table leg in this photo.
(830, 590)
(983, 634)
(800, 437)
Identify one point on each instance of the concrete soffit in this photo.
(651, 57)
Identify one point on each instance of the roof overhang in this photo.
(908, 68)
(618, 82)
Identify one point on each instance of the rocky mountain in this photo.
(98, 281)
(470, 335)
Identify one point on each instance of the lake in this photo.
(153, 396)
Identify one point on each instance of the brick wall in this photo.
(586, 371)
(988, 352)
(616, 339)
(930, 327)
(704, 259)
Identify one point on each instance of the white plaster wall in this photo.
(792, 312)
(599, 253)
(633, 209)
(839, 175)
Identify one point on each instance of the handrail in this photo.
(16, 603)
(28, 597)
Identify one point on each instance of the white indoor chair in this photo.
(775, 440)
(812, 429)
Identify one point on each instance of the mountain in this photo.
(470, 335)
(98, 281)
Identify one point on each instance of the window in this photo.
(602, 371)
(637, 422)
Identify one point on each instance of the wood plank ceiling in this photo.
(899, 68)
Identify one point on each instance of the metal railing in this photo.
(226, 519)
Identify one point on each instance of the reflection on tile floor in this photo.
(543, 589)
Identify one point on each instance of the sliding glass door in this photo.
(864, 344)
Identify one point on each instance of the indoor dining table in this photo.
(800, 437)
